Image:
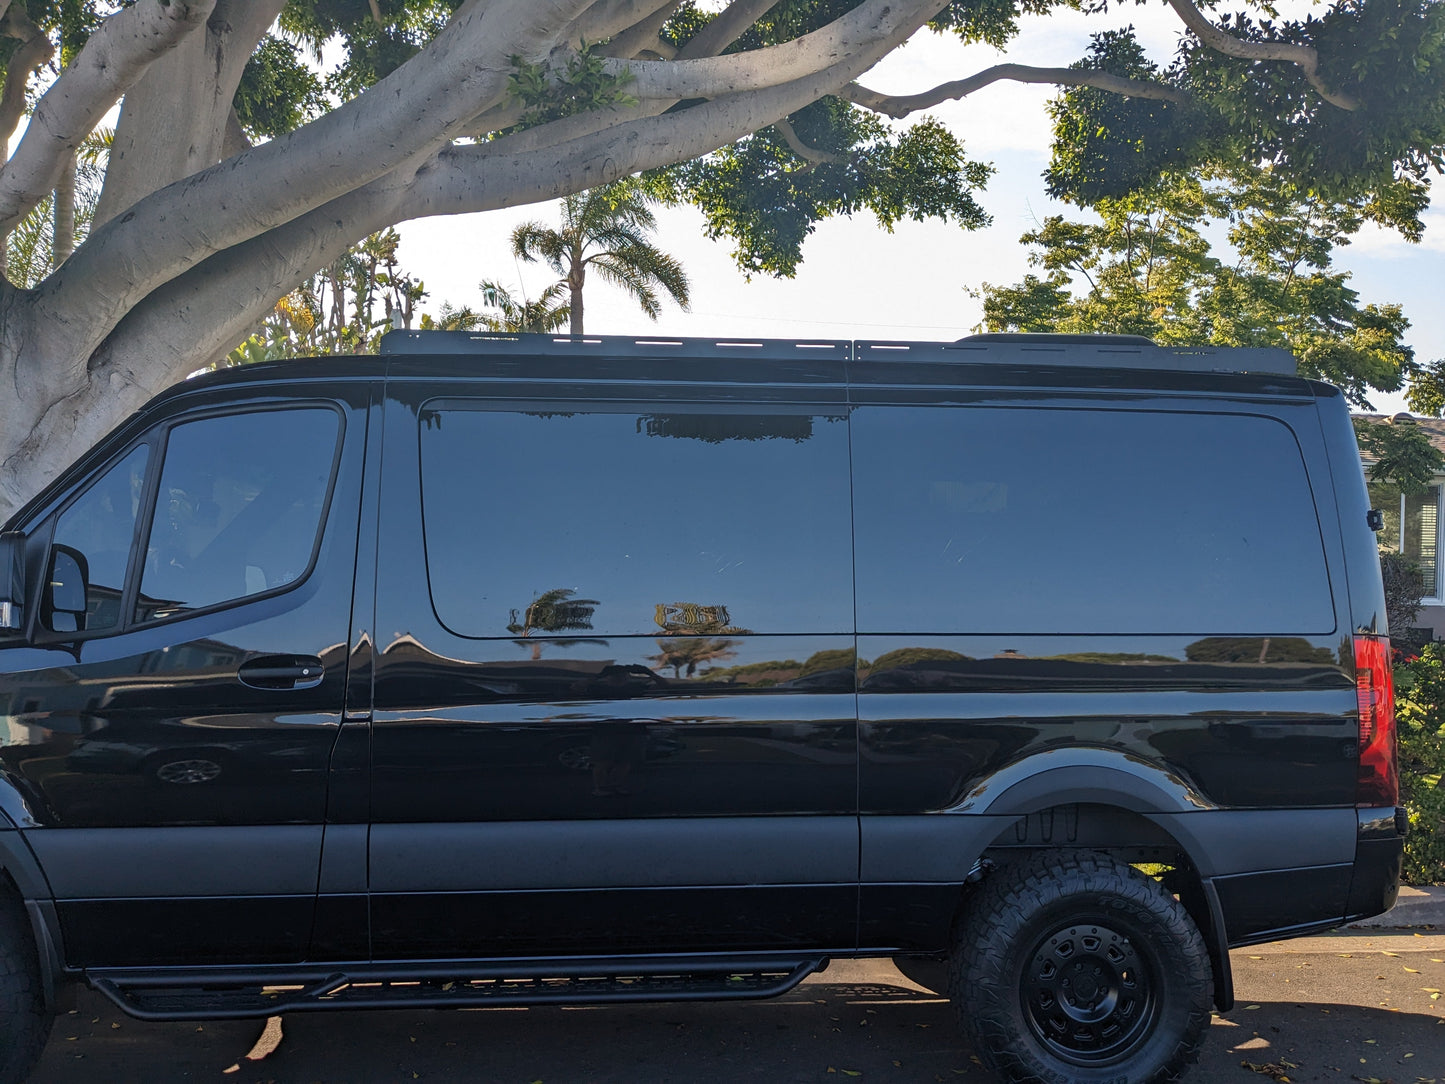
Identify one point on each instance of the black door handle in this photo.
(282, 672)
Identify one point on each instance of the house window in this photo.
(1412, 527)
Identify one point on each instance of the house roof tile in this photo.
(1433, 428)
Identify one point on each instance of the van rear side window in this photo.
(597, 523)
(996, 520)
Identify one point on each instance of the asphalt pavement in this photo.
(1360, 1004)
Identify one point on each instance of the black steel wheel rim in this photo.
(1089, 994)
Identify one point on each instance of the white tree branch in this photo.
(757, 69)
(509, 112)
(642, 35)
(615, 19)
(34, 50)
(197, 318)
(116, 55)
(416, 109)
(202, 314)
(1304, 56)
(173, 120)
(483, 177)
(236, 140)
(812, 155)
(729, 25)
(899, 106)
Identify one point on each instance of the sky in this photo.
(858, 281)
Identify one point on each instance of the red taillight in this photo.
(1379, 778)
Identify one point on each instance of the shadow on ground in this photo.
(856, 1021)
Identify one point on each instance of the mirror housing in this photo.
(12, 582)
(62, 603)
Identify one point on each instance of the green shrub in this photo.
(1420, 719)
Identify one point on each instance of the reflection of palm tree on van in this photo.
(553, 611)
(691, 652)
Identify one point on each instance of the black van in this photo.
(501, 670)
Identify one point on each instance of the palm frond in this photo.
(532, 240)
(610, 229)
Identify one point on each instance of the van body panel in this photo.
(620, 758)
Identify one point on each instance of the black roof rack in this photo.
(1036, 338)
(1070, 351)
(1086, 351)
(506, 344)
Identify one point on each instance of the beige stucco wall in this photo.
(1432, 617)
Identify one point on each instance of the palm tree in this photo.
(547, 313)
(607, 229)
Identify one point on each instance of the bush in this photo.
(1404, 588)
(1420, 719)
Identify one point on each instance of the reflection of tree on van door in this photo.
(554, 611)
(695, 619)
(691, 652)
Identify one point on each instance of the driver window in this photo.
(101, 526)
(238, 508)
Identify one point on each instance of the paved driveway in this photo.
(1348, 1006)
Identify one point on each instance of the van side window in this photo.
(100, 525)
(238, 509)
(611, 524)
(994, 520)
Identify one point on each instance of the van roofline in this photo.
(1053, 351)
(1003, 361)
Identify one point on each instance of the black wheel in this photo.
(1074, 967)
(24, 1023)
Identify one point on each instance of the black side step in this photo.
(222, 994)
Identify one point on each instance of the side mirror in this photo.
(12, 582)
(62, 603)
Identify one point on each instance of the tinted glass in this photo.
(1079, 521)
(239, 508)
(615, 524)
(101, 525)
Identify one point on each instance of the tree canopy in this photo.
(241, 165)
(1144, 264)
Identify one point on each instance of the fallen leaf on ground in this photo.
(1272, 1069)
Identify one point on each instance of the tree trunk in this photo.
(64, 230)
(173, 122)
(574, 290)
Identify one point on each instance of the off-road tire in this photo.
(1072, 967)
(24, 1023)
